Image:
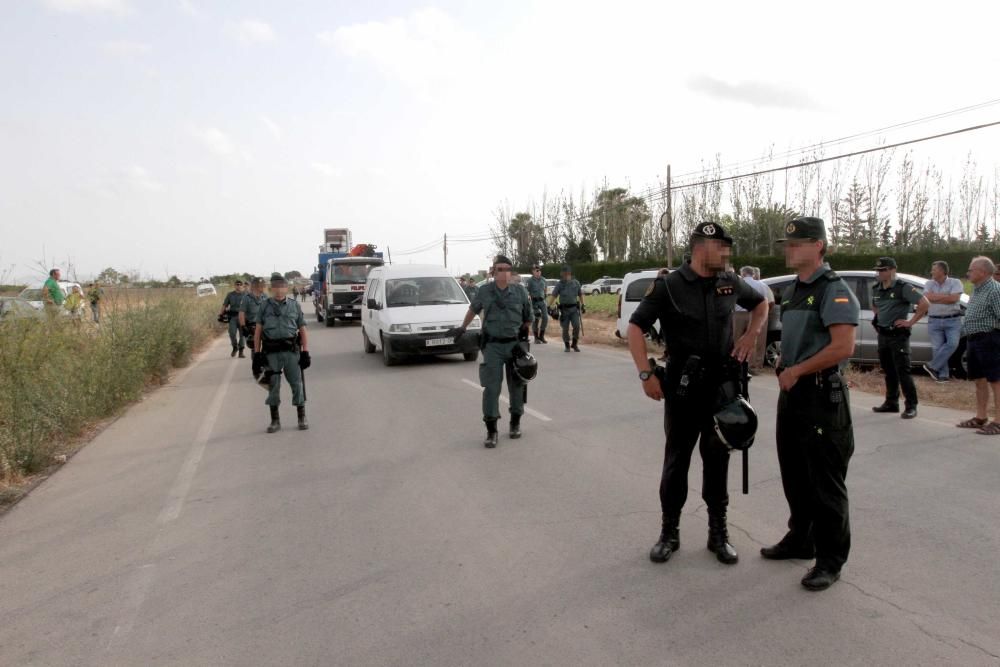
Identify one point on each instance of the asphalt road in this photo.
(386, 534)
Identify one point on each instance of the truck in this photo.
(338, 284)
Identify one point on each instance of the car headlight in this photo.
(399, 328)
(474, 324)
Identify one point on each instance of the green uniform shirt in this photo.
(568, 291)
(893, 302)
(536, 287)
(250, 306)
(281, 319)
(95, 294)
(808, 309)
(505, 311)
(54, 291)
(232, 302)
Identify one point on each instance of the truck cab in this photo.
(344, 287)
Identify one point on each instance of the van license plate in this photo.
(432, 342)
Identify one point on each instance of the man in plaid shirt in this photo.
(982, 334)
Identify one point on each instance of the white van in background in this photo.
(407, 309)
(633, 288)
(205, 289)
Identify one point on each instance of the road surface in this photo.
(386, 534)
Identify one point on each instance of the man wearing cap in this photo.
(814, 431)
(891, 302)
(506, 315)
(280, 342)
(694, 306)
(230, 309)
(536, 290)
(250, 306)
(569, 291)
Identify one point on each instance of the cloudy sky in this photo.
(196, 137)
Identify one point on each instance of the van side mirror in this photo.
(372, 305)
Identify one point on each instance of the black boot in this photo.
(242, 356)
(541, 337)
(718, 540)
(234, 351)
(515, 427)
(669, 542)
(275, 420)
(491, 434)
(576, 348)
(886, 407)
(303, 424)
(566, 343)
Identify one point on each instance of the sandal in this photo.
(993, 428)
(975, 422)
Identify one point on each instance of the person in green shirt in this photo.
(571, 306)
(536, 290)
(280, 343)
(95, 295)
(52, 294)
(230, 309)
(250, 307)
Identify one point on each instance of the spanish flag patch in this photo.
(841, 299)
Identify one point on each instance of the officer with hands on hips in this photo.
(694, 305)
(569, 292)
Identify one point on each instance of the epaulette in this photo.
(831, 276)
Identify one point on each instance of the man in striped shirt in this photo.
(982, 334)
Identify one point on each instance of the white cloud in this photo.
(250, 31)
(140, 179)
(219, 143)
(325, 169)
(125, 48)
(189, 8)
(424, 48)
(272, 127)
(88, 6)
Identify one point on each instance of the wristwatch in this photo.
(645, 375)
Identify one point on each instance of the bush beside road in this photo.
(57, 379)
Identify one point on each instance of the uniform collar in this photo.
(691, 276)
(824, 267)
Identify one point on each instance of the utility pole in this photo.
(446, 249)
(667, 223)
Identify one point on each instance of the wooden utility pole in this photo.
(446, 249)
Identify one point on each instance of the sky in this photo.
(195, 138)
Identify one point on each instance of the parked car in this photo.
(408, 308)
(866, 339)
(550, 283)
(630, 293)
(16, 308)
(605, 285)
(33, 295)
(205, 289)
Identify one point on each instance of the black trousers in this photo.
(815, 443)
(686, 422)
(894, 357)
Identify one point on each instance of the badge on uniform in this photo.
(725, 290)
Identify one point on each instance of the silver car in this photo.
(866, 340)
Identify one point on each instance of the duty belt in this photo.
(502, 340)
(891, 331)
(563, 306)
(944, 317)
(818, 377)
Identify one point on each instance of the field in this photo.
(59, 378)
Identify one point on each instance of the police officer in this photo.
(231, 309)
(536, 290)
(469, 285)
(891, 302)
(694, 305)
(571, 306)
(250, 306)
(815, 435)
(281, 347)
(506, 315)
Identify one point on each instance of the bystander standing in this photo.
(944, 323)
(982, 334)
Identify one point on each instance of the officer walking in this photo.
(571, 306)
(229, 312)
(694, 305)
(536, 290)
(506, 315)
(250, 307)
(891, 301)
(281, 346)
(815, 434)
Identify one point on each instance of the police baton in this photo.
(745, 389)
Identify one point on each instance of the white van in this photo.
(408, 308)
(633, 288)
(206, 289)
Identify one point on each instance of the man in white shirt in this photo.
(944, 323)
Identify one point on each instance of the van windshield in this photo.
(429, 291)
(351, 274)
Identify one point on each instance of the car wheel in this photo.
(369, 347)
(387, 358)
(772, 353)
(470, 356)
(959, 362)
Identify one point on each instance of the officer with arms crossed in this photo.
(695, 306)
(569, 291)
(891, 301)
(281, 347)
(815, 436)
(506, 315)
(228, 313)
(536, 290)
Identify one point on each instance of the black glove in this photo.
(583, 309)
(257, 361)
(522, 334)
(223, 318)
(456, 333)
(554, 313)
(305, 361)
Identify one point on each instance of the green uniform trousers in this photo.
(495, 363)
(235, 333)
(288, 365)
(541, 317)
(567, 317)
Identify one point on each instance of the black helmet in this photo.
(525, 365)
(736, 424)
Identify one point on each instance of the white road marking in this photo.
(528, 411)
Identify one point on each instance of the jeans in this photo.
(944, 335)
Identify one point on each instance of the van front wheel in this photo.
(387, 358)
(369, 346)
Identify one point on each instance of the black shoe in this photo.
(886, 407)
(242, 356)
(933, 373)
(538, 341)
(275, 420)
(303, 424)
(909, 413)
(669, 542)
(718, 540)
(491, 434)
(567, 347)
(541, 339)
(515, 427)
(786, 551)
(576, 348)
(819, 579)
(234, 351)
